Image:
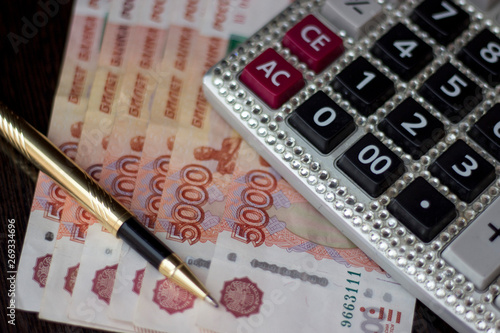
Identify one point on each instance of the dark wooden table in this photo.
(28, 80)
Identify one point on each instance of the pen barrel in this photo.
(143, 242)
(160, 256)
(54, 163)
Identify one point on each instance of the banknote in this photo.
(101, 251)
(262, 254)
(172, 79)
(267, 289)
(188, 219)
(263, 209)
(70, 105)
(190, 210)
(123, 152)
(97, 125)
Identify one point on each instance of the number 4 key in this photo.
(403, 52)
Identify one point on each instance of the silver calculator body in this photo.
(384, 115)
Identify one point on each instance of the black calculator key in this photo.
(486, 131)
(371, 165)
(422, 209)
(363, 86)
(412, 128)
(451, 92)
(482, 55)
(321, 121)
(403, 51)
(463, 170)
(443, 20)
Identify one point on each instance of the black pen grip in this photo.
(143, 241)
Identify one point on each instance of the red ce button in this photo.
(313, 43)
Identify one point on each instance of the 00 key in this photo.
(371, 165)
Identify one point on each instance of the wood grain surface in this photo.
(28, 80)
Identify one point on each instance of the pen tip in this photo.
(211, 301)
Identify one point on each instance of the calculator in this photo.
(384, 115)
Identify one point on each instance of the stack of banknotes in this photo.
(130, 110)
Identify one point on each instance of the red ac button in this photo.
(272, 78)
(313, 43)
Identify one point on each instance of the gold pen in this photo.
(112, 214)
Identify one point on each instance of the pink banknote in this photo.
(65, 131)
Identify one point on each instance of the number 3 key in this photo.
(463, 170)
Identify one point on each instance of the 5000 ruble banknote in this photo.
(96, 129)
(172, 76)
(263, 266)
(70, 106)
(121, 157)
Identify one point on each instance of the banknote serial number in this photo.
(350, 299)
